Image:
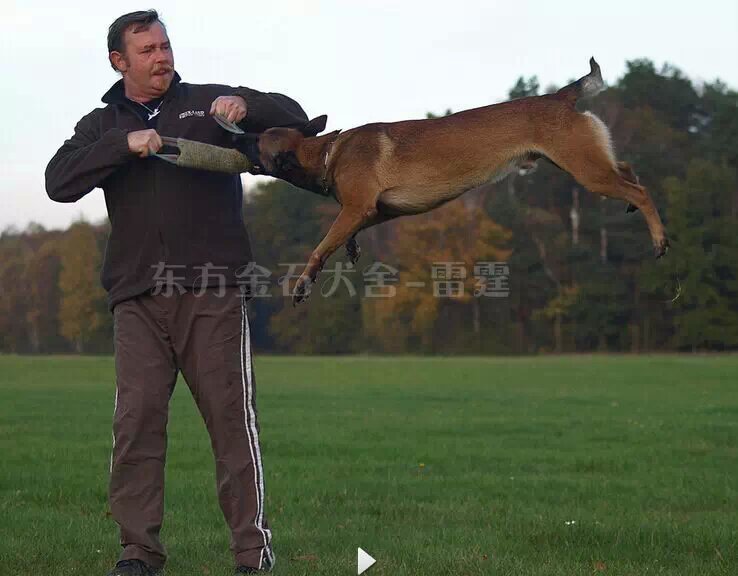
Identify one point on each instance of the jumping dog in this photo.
(381, 171)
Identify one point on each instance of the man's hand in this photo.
(144, 142)
(232, 108)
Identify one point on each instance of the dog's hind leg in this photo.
(586, 153)
(349, 221)
(626, 171)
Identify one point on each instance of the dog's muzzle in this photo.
(248, 145)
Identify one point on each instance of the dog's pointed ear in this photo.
(315, 126)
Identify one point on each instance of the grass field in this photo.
(530, 466)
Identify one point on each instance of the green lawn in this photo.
(529, 466)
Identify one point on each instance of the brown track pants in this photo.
(207, 338)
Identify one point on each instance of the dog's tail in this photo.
(586, 86)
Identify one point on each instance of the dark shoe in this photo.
(252, 570)
(267, 564)
(134, 567)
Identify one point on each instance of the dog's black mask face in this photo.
(271, 153)
(274, 152)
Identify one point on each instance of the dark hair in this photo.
(141, 20)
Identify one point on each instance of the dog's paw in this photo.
(302, 290)
(353, 251)
(661, 248)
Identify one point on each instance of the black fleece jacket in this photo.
(164, 219)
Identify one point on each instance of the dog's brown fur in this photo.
(381, 171)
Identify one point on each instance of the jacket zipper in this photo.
(155, 187)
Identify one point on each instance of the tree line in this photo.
(531, 264)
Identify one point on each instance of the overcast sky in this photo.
(357, 61)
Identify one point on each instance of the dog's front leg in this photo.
(348, 222)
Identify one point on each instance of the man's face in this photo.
(147, 62)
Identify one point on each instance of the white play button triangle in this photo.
(363, 561)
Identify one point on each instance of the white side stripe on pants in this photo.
(115, 409)
(253, 435)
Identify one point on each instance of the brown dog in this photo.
(381, 171)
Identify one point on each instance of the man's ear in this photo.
(118, 61)
(315, 126)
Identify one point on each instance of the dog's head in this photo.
(274, 152)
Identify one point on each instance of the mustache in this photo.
(165, 69)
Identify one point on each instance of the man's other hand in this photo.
(232, 108)
(144, 142)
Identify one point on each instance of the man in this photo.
(183, 227)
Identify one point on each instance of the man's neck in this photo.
(137, 95)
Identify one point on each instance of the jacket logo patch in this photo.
(189, 113)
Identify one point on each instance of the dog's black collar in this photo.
(324, 178)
